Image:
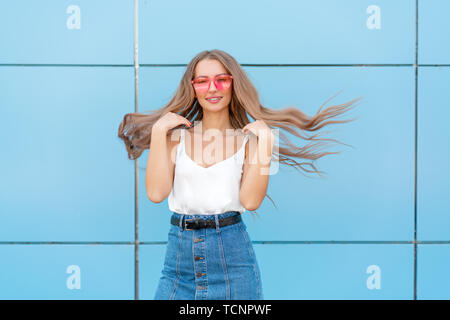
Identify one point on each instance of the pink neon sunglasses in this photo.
(221, 81)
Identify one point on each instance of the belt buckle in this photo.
(186, 220)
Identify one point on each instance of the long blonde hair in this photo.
(135, 128)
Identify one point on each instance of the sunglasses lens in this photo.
(222, 82)
(201, 84)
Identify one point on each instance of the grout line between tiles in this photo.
(136, 171)
(425, 242)
(242, 64)
(416, 50)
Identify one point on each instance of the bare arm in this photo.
(255, 175)
(161, 159)
(160, 167)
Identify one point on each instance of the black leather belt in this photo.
(191, 224)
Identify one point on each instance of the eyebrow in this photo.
(215, 75)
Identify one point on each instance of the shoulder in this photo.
(173, 137)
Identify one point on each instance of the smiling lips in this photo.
(214, 99)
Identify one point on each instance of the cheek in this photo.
(228, 95)
(201, 96)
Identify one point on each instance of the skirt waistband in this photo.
(205, 216)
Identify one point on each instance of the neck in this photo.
(220, 123)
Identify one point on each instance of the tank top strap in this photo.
(242, 150)
(245, 141)
(181, 144)
(246, 138)
(182, 135)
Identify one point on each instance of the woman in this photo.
(209, 254)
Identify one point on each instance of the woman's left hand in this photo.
(259, 128)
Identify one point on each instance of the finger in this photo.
(185, 121)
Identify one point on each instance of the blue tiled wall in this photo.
(75, 221)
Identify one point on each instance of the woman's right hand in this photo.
(170, 120)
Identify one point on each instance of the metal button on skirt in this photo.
(210, 263)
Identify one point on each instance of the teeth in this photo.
(214, 99)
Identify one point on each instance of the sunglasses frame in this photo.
(210, 80)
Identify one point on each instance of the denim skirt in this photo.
(210, 263)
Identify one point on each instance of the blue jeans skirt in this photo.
(210, 263)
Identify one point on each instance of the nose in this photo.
(212, 86)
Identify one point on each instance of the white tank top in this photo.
(211, 190)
